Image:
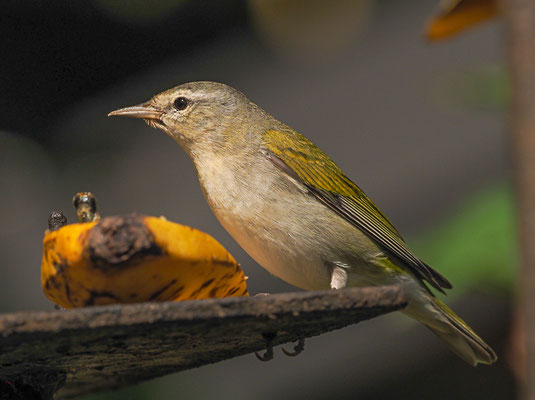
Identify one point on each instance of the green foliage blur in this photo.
(476, 246)
(483, 88)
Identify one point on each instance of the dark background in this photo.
(419, 127)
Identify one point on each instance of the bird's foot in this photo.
(268, 355)
(298, 349)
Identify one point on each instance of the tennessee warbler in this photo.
(293, 210)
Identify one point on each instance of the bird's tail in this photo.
(456, 333)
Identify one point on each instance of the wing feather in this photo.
(301, 159)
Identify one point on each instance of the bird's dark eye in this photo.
(181, 103)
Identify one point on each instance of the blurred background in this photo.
(419, 126)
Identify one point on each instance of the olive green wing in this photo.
(298, 157)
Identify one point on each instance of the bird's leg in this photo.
(338, 281)
(338, 277)
(299, 347)
(268, 355)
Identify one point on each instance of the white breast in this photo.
(262, 211)
(284, 228)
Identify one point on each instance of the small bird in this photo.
(293, 210)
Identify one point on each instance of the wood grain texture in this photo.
(91, 349)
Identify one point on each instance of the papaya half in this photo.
(135, 258)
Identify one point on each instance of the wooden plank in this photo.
(91, 349)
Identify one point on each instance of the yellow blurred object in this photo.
(454, 16)
(310, 31)
(132, 259)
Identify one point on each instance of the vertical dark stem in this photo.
(520, 34)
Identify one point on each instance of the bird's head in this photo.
(205, 115)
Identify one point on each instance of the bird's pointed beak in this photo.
(144, 111)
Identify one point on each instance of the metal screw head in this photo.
(56, 220)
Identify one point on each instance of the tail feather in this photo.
(456, 333)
